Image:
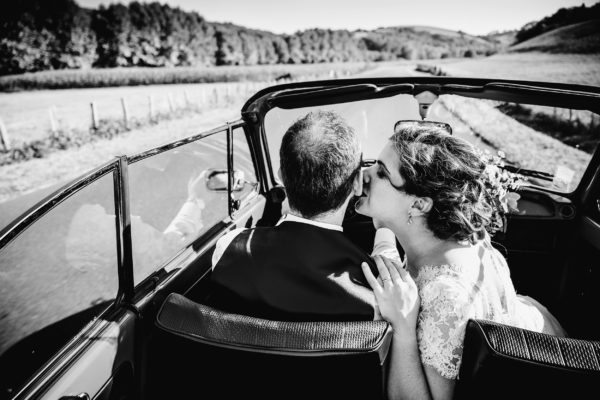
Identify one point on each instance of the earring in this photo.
(409, 218)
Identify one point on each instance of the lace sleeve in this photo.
(441, 325)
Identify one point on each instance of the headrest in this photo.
(208, 325)
(500, 360)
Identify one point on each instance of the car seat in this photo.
(204, 350)
(501, 361)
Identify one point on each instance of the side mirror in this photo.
(216, 180)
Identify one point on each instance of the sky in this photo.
(476, 17)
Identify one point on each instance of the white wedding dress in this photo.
(453, 294)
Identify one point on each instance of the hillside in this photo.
(504, 38)
(579, 38)
(563, 17)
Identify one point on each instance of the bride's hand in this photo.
(396, 294)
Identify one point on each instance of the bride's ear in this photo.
(423, 204)
(357, 185)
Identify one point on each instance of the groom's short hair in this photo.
(320, 155)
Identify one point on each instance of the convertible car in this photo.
(102, 282)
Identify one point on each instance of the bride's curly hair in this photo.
(451, 172)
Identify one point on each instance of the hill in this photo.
(563, 17)
(418, 42)
(504, 38)
(581, 38)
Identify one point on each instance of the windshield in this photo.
(555, 141)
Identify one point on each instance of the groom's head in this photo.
(320, 159)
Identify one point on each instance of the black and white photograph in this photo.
(331, 199)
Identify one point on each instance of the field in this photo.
(27, 114)
(136, 76)
(568, 68)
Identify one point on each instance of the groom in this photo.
(304, 268)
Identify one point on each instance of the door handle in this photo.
(80, 396)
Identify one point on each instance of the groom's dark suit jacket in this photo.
(293, 272)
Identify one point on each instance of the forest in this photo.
(563, 17)
(37, 35)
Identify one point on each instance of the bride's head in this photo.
(426, 178)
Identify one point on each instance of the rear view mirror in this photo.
(216, 180)
(408, 123)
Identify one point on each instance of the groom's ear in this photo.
(357, 185)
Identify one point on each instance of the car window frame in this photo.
(198, 246)
(75, 345)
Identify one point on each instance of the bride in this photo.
(429, 188)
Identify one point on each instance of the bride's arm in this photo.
(406, 379)
(399, 303)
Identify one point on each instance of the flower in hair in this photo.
(501, 186)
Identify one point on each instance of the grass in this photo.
(583, 37)
(26, 115)
(91, 78)
(581, 69)
(516, 139)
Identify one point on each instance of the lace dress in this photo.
(452, 294)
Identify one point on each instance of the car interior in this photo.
(552, 248)
(168, 344)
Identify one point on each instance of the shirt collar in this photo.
(294, 218)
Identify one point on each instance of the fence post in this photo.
(228, 95)
(203, 96)
(170, 100)
(94, 115)
(125, 113)
(52, 116)
(150, 108)
(216, 96)
(4, 136)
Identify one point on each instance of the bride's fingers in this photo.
(370, 277)
(384, 274)
(404, 274)
(391, 265)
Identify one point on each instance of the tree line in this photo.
(563, 17)
(38, 35)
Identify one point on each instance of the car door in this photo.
(579, 292)
(208, 185)
(551, 242)
(63, 279)
(81, 271)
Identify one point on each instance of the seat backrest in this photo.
(204, 350)
(501, 361)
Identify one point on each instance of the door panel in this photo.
(104, 369)
(536, 244)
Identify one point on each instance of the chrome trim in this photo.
(231, 203)
(21, 223)
(140, 156)
(123, 227)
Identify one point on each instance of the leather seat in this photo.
(501, 361)
(202, 350)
